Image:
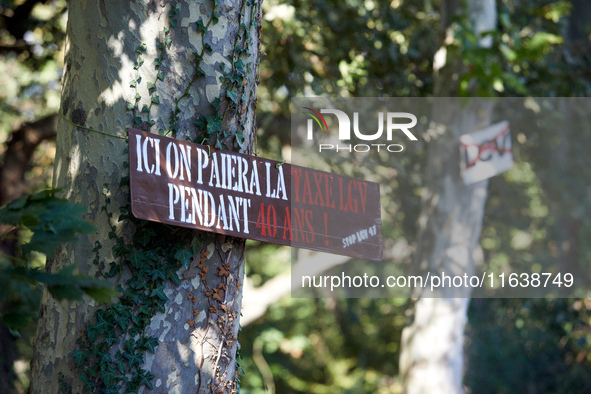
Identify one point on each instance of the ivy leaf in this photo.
(196, 246)
(151, 85)
(171, 274)
(160, 76)
(232, 95)
(130, 106)
(158, 273)
(159, 292)
(239, 67)
(138, 259)
(151, 122)
(167, 40)
(151, 343)
(109, 377)
(184, 256)
(80, 356)
(134, 358)
(145, 108)
(137, 120)
(214, 124)
(133, 83)
(201, 27)
(173, 22)
(146, 378)
(216, 103)
(155, 99)
(201, 122)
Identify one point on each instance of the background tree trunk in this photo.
(114, 50)
(431, 358)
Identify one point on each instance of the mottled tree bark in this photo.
(101, 62)
(431, 359)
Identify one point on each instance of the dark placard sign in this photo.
(196, 186)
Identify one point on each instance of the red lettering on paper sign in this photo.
(185, 184)
(485, 153)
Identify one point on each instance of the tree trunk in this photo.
(431, 359)
(187, 69)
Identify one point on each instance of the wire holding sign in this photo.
(486, 153)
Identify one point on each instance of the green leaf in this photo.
(100, 294)
(138, 259)
(172, 275)
(151, 343)
(158, 274)
(196, 246)
(232, 95)
(134, 358)
(173, 22)
(200, 26)
(145, 108)
(160, 76)
(201, 122)
(146, 378)
(109, 377)
(214, 124)
(541, 41)
(155, 99)
(80, 356)
(184, 256)
(61, 292)
(151, 85)
(216, 104)
(167, 41)
(130, 106)
(159, 292)
(16, 320)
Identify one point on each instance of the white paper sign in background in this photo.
(486, 153)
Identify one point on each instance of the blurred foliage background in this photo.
(364, 48)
